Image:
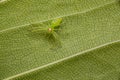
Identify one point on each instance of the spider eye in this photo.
(49, 29)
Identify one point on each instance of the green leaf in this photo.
(90, 40)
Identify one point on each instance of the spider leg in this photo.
(56, 39)
(48, 35)
(38, 26)
(38, 30)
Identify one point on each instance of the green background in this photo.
(90, 39)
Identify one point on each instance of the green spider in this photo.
(51, 30)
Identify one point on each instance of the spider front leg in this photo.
(38, 27)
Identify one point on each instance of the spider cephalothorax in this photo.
(51, 29)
